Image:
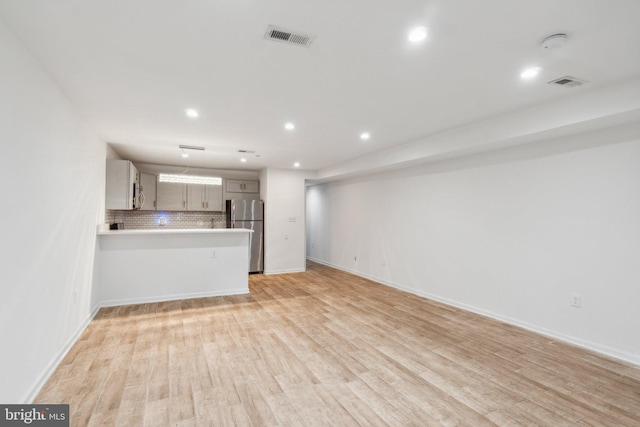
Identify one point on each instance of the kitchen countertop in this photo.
(175, 231)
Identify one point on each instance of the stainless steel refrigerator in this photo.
(249, 214)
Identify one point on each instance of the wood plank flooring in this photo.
(326, 348)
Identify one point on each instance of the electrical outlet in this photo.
(213, 254)
(576, 300)
(355, 258)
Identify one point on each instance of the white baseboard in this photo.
(61, 355)
(286, 271)
(71, 341)
(598, 348)
(174, 297)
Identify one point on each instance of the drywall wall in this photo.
(590, 109)
(283, 192)
(52, 171)
(223, 173)
(140, 267)
(513, 234)
(111, 153)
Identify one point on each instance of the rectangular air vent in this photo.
(289, 37)
(568, 81)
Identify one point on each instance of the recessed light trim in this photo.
(243, 160)
(417, 34)
(289, 126)
(530, 73)
(554, 41)
(192, 112)
(365, 136)
(296, 165)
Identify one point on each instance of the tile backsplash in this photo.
(146, 220)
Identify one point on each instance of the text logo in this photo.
(34, 415)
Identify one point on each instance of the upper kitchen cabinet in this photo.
(122, 185)
(213, 198)
(241, 189)
(177, 196)
(171, 196)
(148, 186)
(241, 186)
(204, 197)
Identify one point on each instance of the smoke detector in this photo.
(281, 35)
(568, 81)
(554, 41)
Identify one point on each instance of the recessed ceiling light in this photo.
(418, 34)
(554, 41)
(243, 160)
(191, 113)
(530, 72)
(185, 155)
(365, 135)
(296, 165)
(289, 126)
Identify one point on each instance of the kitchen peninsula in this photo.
(137, 266)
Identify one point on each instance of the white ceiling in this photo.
(133, 67)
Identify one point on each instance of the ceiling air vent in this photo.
(568, 81)
(289, 37)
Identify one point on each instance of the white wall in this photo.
(52, 172)
(111, 153)
(595, 107)
(283, 192)
(223, 173)
(512, 234)
(149, 266)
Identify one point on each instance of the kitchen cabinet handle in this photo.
(207, 205)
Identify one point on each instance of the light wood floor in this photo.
(327, 348)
